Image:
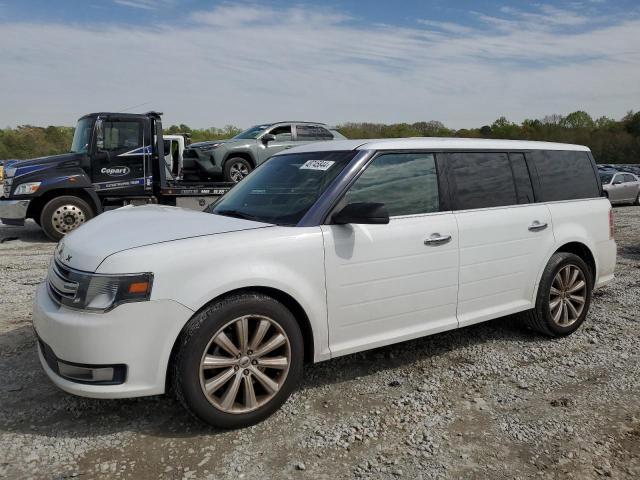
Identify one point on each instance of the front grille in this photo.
(59, 283)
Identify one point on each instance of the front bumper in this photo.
(13, 212)
(138, 336)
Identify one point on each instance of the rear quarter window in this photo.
(565, 175)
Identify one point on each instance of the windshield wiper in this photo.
(238, 214)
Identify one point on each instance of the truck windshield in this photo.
(252, 133)
(82, 135)
(282, 189)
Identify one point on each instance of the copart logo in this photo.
(115, 171)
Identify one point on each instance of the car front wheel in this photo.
(238, 360)
(235, 169)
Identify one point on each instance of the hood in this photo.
(131, 227)
(41, 163)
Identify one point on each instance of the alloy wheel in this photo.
(568, 295)
(238, 171)
(245, 364)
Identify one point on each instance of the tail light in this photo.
(612, 226)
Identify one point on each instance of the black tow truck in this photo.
(116, 159)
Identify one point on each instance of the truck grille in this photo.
(60, 286)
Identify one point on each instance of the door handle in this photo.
(536, 226)
(437, 239)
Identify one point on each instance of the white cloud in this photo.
(143, 4)
(244, 64)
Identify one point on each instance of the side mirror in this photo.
(363, 213)
(99, 135)
(268, 137)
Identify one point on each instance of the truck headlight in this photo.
(27, 188)
(97, 292)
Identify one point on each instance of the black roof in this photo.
(122, 114)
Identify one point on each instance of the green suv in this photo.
(236, 157)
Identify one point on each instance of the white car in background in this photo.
(325, 250)
(621, 187)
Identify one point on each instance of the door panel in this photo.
(385, 285)
(284, 140)
(616, 192)
(500, 257)
(118, 163)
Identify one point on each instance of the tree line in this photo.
(610, 140)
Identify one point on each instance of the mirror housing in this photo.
(368, 213)
(99, 135)
(268, 137)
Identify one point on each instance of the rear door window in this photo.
(524, 190)
(406, 183)
(308, 133)
(565, 175)
(481, 180)
(628, 178)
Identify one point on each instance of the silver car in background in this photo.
(621, 187)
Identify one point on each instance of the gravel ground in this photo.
(488, 401)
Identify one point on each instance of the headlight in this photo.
(95, 291)
(27, 188)
(207, 148)
(9, 172)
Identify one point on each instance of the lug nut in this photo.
(254, 362)
(236, 368)
(249, 352)
(246, 371)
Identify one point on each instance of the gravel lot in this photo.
(488, 401)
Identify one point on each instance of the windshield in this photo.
(282, 189)
(606, 178)
(253, 132)
(82, 135)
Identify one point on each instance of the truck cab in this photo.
(115, 159)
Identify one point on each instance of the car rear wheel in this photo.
(63, 214)
(235, 169)
(564, 296)
(238, 360)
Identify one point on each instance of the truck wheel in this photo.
(235, 169)
(238, 360)
(564, 296)
(63, 214)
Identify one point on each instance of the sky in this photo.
(215, 63)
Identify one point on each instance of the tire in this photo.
(63, 214)
(197, 341)
(236, 168)
(541, 318)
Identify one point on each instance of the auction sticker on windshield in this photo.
(317, 165)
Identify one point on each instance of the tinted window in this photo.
(524, 190)
(629, 178)
(405, 182)
(121, 135)
(481, 180)
(565, 175)
(605, 178)
(312, 132)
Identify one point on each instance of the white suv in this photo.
(325, 250)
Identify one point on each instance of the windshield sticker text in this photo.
(317, 165)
